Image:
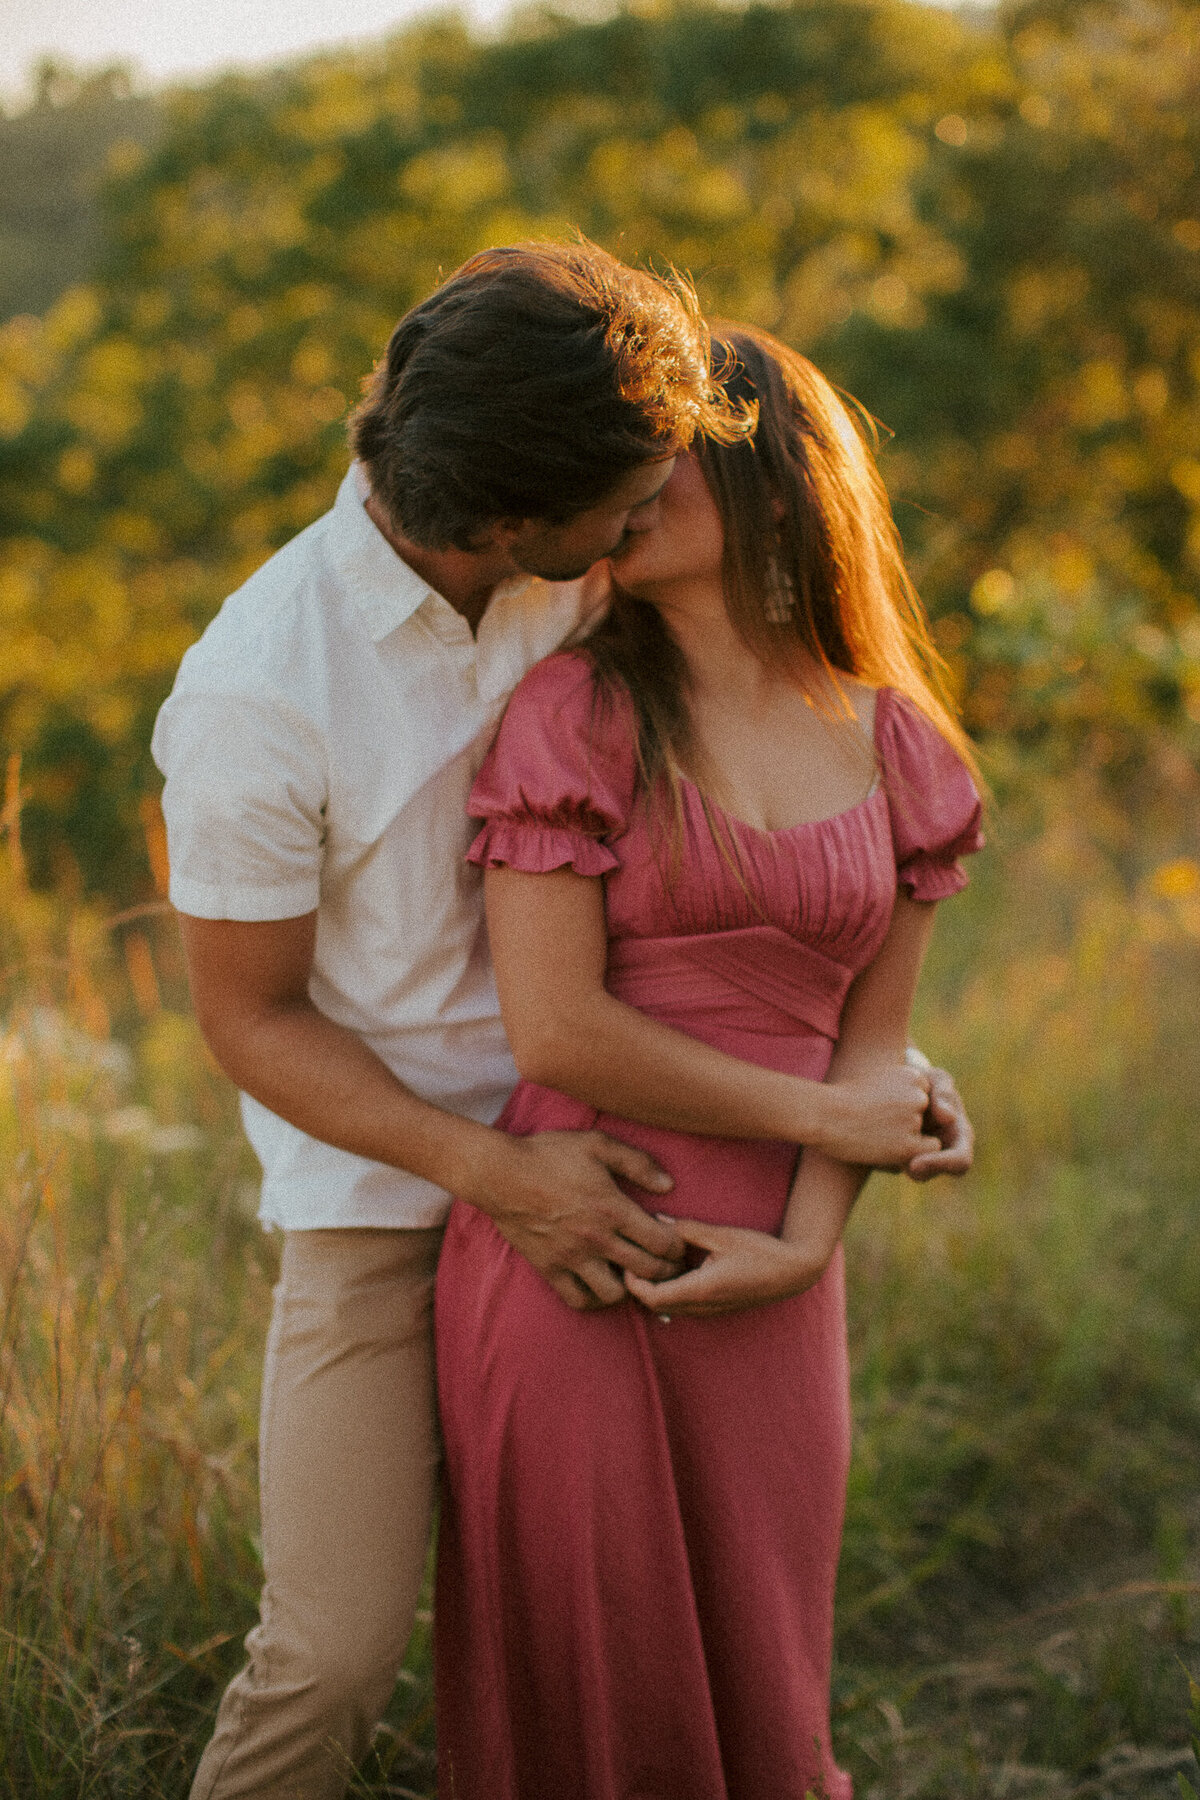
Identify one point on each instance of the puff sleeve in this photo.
(559, 779)
(934, 805)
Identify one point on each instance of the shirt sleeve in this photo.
(558, 782)
(935, 807)
(244, 805)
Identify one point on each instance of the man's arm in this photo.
(553, 1196)
(947, 1119)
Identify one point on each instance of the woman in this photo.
(734, 811)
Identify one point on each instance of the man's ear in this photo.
(499, 534)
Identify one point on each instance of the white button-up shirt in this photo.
(319, 746)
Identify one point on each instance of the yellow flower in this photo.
(1177, 880)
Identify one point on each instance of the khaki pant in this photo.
(348, 1456)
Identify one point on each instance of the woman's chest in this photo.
(789, 761)
(831, 884)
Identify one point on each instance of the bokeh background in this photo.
(985, 225)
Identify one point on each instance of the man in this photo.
(319, 747)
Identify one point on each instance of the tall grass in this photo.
(1018, 1599)
(1024, 1498)
(134, 1288)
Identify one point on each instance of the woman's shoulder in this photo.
(566, 678)
(558, 776)
(560, 739)
(563, 697)
(862, 699)
(891, 703)
(903, 728)
(935, 807)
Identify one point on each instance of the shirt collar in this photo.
(381, 584)
(388, 592)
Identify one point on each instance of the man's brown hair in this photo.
(528, 384)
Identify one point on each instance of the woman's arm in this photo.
(550, 946)
(749, 1268)
(874, 1035)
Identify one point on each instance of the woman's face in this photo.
(682, 540)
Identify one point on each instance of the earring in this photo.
(779, 602)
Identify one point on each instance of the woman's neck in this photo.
(770, 744)
(718, 662)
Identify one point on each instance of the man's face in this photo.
(564, 552)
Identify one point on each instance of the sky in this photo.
(173, 38)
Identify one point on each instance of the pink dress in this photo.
(641, 1522)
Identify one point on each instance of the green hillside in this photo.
(990, 232)
(54, 156)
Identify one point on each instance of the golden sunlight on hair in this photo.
(814, 564)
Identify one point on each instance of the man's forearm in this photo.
(554, 1196)
(325, 1080)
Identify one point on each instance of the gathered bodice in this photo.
(706, 914)
(817, 896)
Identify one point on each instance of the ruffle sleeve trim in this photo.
(935, 875)
(537, 848)
(935, 808)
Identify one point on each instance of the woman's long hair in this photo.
(813, 569)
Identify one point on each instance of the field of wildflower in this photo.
(1019, 1599)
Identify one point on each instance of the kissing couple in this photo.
(556, 828)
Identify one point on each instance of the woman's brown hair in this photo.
(813, 568)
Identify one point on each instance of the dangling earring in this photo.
(779, 602)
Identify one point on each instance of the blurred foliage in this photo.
(988, 228)
(53, 158)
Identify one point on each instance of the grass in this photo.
(1019, 1600)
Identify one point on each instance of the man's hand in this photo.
(946, 1119)
(554, 1198)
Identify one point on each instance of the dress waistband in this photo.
(758, 977)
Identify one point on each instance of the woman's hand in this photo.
(740, 1269)
(876, 1118)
